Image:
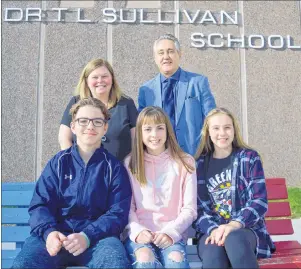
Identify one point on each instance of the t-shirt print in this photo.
(221, 195)
(219, 185)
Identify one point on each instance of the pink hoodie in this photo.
(168, 203)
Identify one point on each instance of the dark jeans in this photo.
(237, 252)
(107, 253)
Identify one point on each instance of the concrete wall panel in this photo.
(274, 89)
(20, 55)
(68, 48)
(134, 63)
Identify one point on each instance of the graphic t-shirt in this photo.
(218, 183)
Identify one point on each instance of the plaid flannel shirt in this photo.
(249, 200)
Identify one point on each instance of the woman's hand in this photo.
(145, 237)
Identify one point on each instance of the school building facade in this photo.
(249, 50)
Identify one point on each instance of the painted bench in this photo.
(288, 253)
(17, 196)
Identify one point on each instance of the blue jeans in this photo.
(162, 259)
(107, 253)
(237, 252)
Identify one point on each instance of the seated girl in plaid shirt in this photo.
(232, 197)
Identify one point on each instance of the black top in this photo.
(118, 137)
(218, 179)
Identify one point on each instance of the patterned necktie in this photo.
(168, 102)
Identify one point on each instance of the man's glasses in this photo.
(97, 122)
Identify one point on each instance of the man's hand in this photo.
(75, 243)
(54, 242)
(162, 240)
(144, 237)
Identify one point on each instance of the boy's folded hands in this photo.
(75, 243)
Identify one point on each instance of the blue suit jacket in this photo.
(193, 102)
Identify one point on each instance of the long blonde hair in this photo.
(83, 90)
(154, 115)
(206, 146)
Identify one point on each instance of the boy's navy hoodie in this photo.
(71, 197)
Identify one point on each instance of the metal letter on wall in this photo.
(9, 12)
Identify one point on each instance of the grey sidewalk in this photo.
(295, 236)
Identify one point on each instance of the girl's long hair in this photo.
(154, 115)
(206, 146)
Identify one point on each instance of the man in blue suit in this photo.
(184, 96)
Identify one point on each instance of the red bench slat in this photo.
(280, 266)
(279, 209)
(275, 181)
(280, 226)
(285, 245)
(273, 262)
(287, 252)
(276, 188)
(276, 192)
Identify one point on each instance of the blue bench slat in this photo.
(191, 250)
(6, 263)
(17, 186)
(197, 265)
(15, 216)
(16, 198)
(8, 254)
(193, 258)
(15, 233)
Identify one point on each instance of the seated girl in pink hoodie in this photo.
(164, 202)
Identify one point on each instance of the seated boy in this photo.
(81, 201)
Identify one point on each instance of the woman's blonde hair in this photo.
(83, 90)
(154, 115)
(206, 146)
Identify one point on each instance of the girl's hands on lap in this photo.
(230, 227)
(145, 237)
(162, 240)
(219, 235)
(215, 235)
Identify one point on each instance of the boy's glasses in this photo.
(97, 122)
